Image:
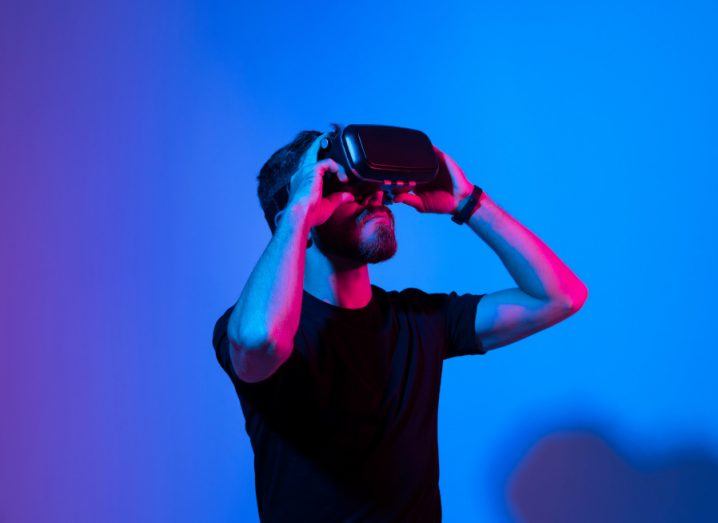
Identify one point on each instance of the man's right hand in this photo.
(307, 183)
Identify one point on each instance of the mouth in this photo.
(378, 216)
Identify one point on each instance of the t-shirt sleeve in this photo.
(221, 344)
(460, 318)
(220, 341)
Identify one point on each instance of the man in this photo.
(339, 379)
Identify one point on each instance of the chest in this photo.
(374, 373)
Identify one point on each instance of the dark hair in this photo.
(275, 174)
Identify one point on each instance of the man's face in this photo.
(360, 230)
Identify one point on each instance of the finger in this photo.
(311, 154)
(330, 203)
(342, 175)
(338, 198)
(448, 160)
(412, 200)
(309, 158)
(328, 166)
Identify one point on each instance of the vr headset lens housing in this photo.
(393, 159)
(376, 157)
(379, 153)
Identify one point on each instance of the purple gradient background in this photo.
(130, 138)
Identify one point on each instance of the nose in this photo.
(374, 198)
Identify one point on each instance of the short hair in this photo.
(276, 173)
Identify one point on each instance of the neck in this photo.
(337, 281)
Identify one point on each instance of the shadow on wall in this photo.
(577, 475)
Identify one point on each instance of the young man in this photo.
(339, 379)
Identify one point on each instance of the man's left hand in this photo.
(442, 196)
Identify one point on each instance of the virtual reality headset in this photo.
(377, 157)
(380, 157)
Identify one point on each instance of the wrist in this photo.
(463, 194)
(468, 205)
(296, 216)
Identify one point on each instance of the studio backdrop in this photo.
(131, 136)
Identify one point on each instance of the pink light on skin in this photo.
(379, 216)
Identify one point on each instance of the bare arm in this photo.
(265, 319)
(547, 290)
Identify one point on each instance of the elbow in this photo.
(258, 341)
(577, 297)
(256, 357)
(242, 339)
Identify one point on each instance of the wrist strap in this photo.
(467, 206)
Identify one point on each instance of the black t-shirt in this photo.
(346, 429)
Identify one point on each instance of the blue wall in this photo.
(130, 138)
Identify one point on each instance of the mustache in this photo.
(371, 212)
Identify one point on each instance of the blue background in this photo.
(131, 135)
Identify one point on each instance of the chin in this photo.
(380, 247)
(359, 246)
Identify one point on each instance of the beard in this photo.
(366, 243)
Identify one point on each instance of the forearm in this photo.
(267, 313)
(531, 263)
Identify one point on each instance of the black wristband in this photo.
(467, 206)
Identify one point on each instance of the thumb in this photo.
(412, 200)
(338, 198)
(328, 205)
